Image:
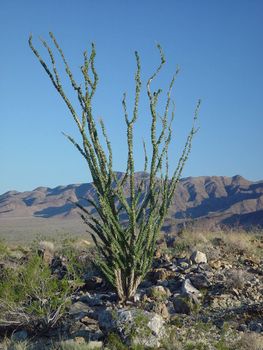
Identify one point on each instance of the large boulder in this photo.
(188, 300)
(134, 326)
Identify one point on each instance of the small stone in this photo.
(93, 283)
(199, 281)
(184, 265)
(198, 257)
(159, 308)
(20, 336)
(79, 309)
(215, 264)
(164, 283)
(189, 289)
(242, 327)
(146, 284)
(160, 274)
(158, 292)
(88, 321)
(235, 292)
(184, 304)
(255, 327)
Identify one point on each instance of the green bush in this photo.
(3, 250)
(31, 294)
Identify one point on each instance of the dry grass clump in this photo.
(47, 245)
(250, 341)
(238, 242)
(236, 278)
(9, 344)
(188, 241)
(216, 241)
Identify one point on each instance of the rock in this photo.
(93, 283)
(20, 336)
(164, 283)
(181, 306)
(185, 304)
(158, 293)
(139, 327)
(92, 300)
(223, 301)
(184, 265)
(89, 321)
(159, 274)
(188, 289)
(145, 284)
(255, 326)
(158, 308)
(106, 319)
(137, 296)
(180, 261)
(215, 264)
(170, 241)
(98, 299)
(58, 266)
(79, 330)
(188, 299)
(175, 284)
(198, 257)
(78, 310)
(199, 281)
(134, 326)
(242, 327)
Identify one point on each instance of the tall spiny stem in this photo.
(126, 247)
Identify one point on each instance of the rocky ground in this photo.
(204, 291)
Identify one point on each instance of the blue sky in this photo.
(218, 45)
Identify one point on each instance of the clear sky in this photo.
(218, 45)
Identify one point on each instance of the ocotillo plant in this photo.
(126, 247)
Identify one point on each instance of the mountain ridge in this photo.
(215, 199)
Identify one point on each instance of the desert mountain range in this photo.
(204, 200)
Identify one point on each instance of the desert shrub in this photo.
(236, 278)
(76, 346)
(8, 344)
(217, 242)
(4, 251)
(189, 240)
(250, 341)
(32, 295)
(79, 256)
(237, 241)
(195, 346)
(114, 342)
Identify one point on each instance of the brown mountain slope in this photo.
(217, 199)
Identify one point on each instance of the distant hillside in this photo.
(205, 199)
